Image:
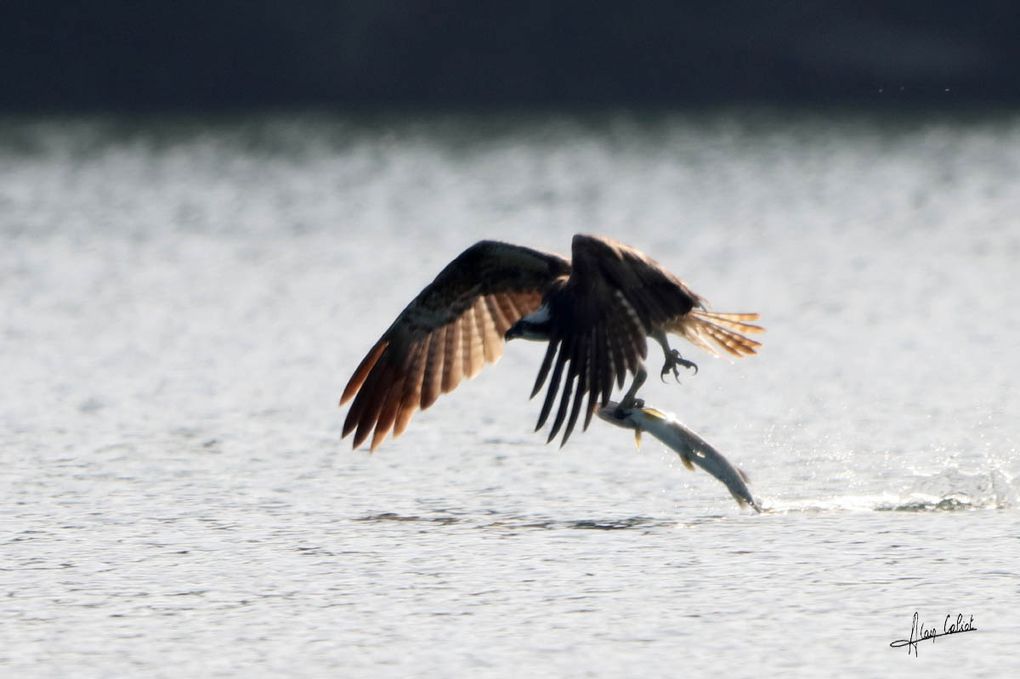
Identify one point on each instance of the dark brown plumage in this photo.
(601, 307)
(448, 332)
(615, 297)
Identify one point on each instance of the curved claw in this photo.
(625, 406)
(673, 361)
(680, 360)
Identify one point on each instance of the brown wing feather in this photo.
(432, 382)
(412, 389)
(615, 290)
(362, 371)
(447, 333)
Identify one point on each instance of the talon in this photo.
(626, 406)
(673, 363)
(680, 360)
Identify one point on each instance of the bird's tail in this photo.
(712, 331)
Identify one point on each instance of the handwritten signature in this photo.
(919, 632)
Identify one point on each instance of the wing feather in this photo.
(446, 334)
(476, 349)
(377, 387)
(598, 392)
(432, 384)
(500, 322)
(412, 388)
(452, 362)
(508, 310)
(543, 371)
(584, 382)
(492, 344)
(388, 410)
(566, 395)
(554, 385)
(362, 371)
(618, 360)
(612, 289)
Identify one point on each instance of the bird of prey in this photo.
(595, 311)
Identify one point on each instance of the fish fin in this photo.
(637, 438)
(655, 414)
(687, 463)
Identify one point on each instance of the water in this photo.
(182, 301)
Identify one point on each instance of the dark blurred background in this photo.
(225, 54)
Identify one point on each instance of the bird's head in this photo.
(534, 326)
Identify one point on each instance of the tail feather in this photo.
(711, 331)
(732, 321)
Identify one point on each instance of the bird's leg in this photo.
(628, 402)
(673, 358)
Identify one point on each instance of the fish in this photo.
(688, 445)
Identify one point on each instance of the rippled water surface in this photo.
(182, 300)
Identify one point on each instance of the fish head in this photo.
(632, 418)
(613, 414)
(627, 419)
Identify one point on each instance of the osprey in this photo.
(595, 311)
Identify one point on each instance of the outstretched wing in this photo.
(448, 332)
(601, 315)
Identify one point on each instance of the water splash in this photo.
(952, 489)
(946, 491)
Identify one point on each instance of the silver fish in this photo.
(692, 449)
